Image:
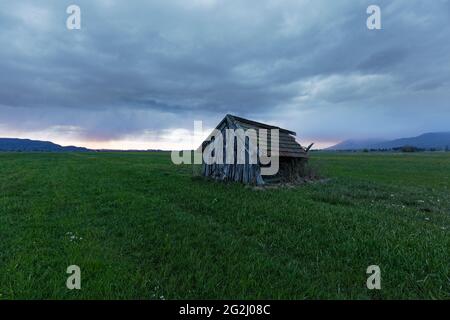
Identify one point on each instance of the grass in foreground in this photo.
(140, 227)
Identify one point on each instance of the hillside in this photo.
(355, 144)
(434, 140)
(26, 145)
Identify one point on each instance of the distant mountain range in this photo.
(27, 145)
(12, 144)
(434, 140)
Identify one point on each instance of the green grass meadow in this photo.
(140, 227)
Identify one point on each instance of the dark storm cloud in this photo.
(142, 65)
(384, 60)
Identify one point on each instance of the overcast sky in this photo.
(138, 73)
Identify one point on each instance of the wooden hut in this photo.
(292, 157)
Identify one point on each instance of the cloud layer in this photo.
(139, 67)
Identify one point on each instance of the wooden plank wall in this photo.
(245, 173)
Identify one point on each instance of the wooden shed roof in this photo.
(288, 146)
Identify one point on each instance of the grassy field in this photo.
(142, 228)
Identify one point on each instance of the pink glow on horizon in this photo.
(178, 140)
